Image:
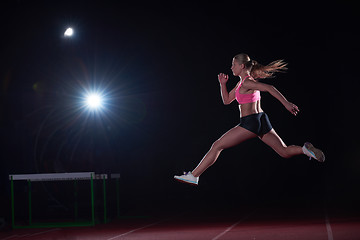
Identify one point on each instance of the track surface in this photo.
(254, 224)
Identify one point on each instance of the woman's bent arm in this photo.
(225, 95)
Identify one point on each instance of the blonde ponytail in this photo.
(258, 70)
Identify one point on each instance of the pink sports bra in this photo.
(246, 98)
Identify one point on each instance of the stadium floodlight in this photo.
(93, 101)
(69, 32)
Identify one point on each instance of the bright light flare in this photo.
(94, 101)
(69, 32)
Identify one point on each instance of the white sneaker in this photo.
(312, 152)
(188, 178)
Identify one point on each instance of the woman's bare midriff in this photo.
(250, 108)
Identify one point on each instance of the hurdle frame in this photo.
(56, 177)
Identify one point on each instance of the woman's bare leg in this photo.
(231, 138)
(273, 140)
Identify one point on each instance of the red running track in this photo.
(267, 225)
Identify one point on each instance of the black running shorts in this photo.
(257, 123)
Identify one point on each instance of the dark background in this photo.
(158, 66)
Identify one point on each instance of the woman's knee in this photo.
(217, 145)
(284, 152)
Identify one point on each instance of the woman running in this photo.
(253, 120)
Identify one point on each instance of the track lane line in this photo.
(232, 226)
(29, 235)
(134, 230)
(51, 230)
(328, 228)
(146, 226)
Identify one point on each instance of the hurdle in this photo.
(76, 176)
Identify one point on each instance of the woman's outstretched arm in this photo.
(292, 108)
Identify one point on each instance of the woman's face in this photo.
(236, 67)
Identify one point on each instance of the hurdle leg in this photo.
(104, 189)
(29, 192)
(92, 200)
(76, 200)
(117, 198)
(12, 204)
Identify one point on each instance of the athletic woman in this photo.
(253, 120)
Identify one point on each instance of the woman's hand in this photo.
(223, 78)
(292, 108)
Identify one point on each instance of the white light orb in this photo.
(69, 32)
(93, 101)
